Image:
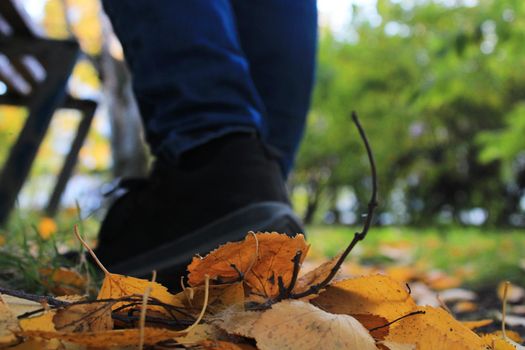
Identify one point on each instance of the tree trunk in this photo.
(314, 194)
(130, 156)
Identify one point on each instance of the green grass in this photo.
(24, 252)
(480, 256)
(483, 256)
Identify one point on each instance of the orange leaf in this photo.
(376, 295)
(261, 258)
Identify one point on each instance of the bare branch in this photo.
(358, 236)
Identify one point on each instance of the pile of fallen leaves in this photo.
(243, 295)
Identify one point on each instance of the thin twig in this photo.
(204, 303)
(143, 309)
(420, 312)
(90, 251)
(358, 236)
(284, 293)
(33, 297)
(504, 310)
(240, 278)
(151, 319)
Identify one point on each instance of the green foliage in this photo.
(489, 256)
(428, 82)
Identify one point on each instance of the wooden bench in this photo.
(35, 70)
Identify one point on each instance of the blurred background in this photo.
(439, 86)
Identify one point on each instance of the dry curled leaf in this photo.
(261, 259)
(297, 325)
(373, 295)
(92, 317)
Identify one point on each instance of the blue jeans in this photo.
(205, 68)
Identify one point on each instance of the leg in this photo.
(190, 76)
(214, 180)
(279, 39)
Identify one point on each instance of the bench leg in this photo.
(46, 99)
(70, 161)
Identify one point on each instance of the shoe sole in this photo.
(174, 256)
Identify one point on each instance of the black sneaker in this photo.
(215, 194)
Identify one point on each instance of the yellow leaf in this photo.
(93, 317)
(477, 324)
(374, 295)
(298, 325)
(402, 274)
(397, 346)
(117, 286)
(262, 258)
(2, 240)
(496, 342)
(434, 330)
(43, 322)
(512, 335)
(8, 325)
(106, 339)
(47, 227)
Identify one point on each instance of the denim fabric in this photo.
(205, 68)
